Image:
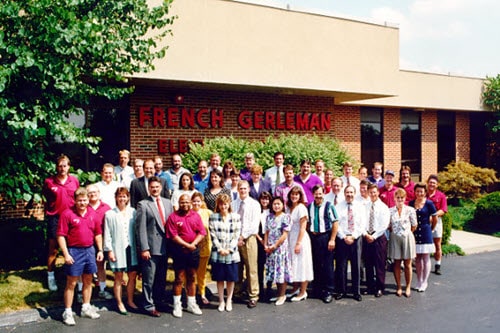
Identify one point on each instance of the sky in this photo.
(455, 37)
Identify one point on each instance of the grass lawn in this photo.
(25, 289)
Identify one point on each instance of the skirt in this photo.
(402, 247)
(225, 272)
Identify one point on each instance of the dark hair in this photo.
(435, 177)
(218, 173)
(420, 185)
(316, 187)
(267, 195)
(191, 181)
(278, 153)
(295, 189)
(154, 179)
(273, 200)
(122, 190)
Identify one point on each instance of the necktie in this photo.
(162, 217)
(371, 223)
(348, 182)
(241, 210)
(350, 219)
(316, 218)
(278, 177)
(335, 200)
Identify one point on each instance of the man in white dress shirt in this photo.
(348, 177)
(274, 175)
(124, 173)
(336, 195)
(352, 221)
(375, 242)
(249, 211)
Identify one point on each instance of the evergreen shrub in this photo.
(462, 180)
(295, 148)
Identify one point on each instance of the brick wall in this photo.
(21, 209)
(346, 127)
(429, 143)
(344, 120)
(392, 139)
(462, 128)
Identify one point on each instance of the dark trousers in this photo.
(375, 255)
(346, 253)
(324, 278)
(154, 281)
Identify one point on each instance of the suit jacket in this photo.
(138, 190)
(264, 186)
(150, 230)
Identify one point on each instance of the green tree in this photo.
(491, 99)
(55, 57)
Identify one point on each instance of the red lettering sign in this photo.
(144, 115)
(244, 119)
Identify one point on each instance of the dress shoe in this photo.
(295, 293)
(221, 307)
(229, 306)
(281, 300)
(251, 304)
(154, 313)
(339, 296)
(379, 293)
(300, 298)
(328, 298)
(358, 297)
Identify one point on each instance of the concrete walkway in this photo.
(474, 243)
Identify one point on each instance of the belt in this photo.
(319, 233)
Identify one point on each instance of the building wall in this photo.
(392, 139)
(144, 140)
(429, 143)
(462, 128)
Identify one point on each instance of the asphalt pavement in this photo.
(463, 299)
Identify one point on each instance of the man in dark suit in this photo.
(152, 213)
(139, 186)
(257, 183)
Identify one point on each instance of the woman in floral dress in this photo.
(278, 268)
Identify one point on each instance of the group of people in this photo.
(255, 228)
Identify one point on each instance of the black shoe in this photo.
(328, 298)
(358, 297)
(251, 304)
(379, 293)
(339, 296)
(437, 269)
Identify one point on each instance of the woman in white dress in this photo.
(299, 245)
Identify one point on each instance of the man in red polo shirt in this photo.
(58, 191)
(185, 228)
(78, 230)
(439, 200)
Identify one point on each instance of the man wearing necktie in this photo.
(375, 242)
(322, 229)
(249, 211)
(275, 175)
(152, 242)
(352, 222)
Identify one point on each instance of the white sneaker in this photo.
(68, 318)
(194, 309)
(90, 312)
(177, 310)
(79, 298)
(51, 281)
(221, 307)
(105, 295)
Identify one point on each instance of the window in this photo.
(446, 139)
(371, 136)
(411, 142)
